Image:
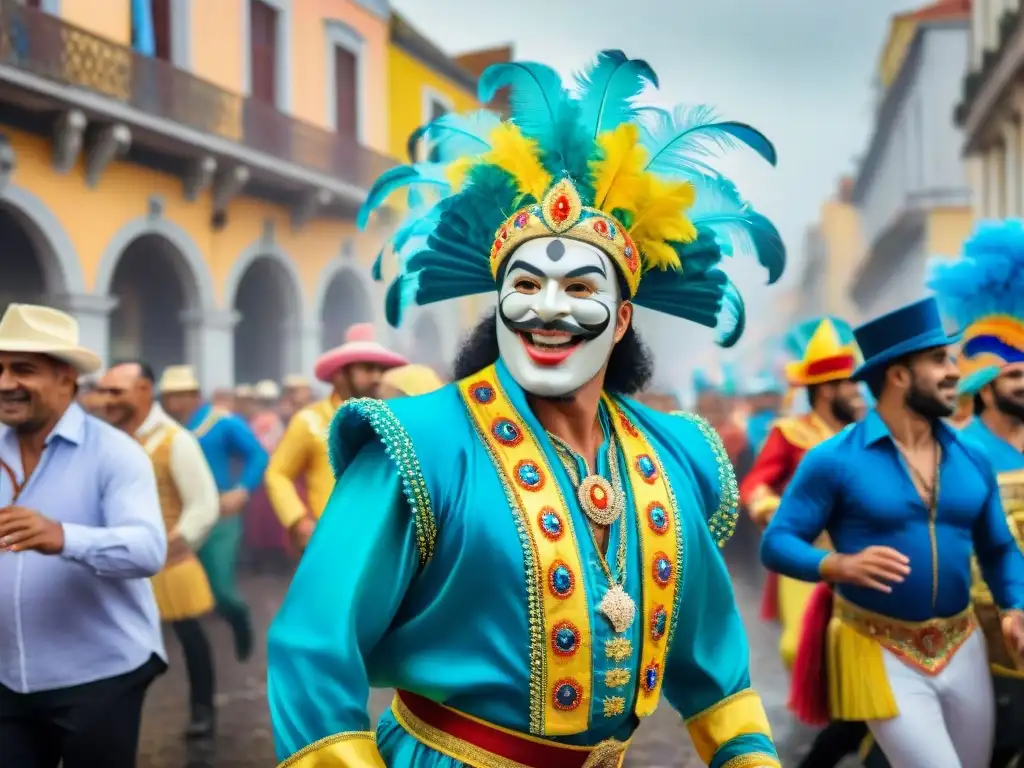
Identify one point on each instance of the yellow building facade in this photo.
(189, 192)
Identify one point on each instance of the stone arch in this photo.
(344, 297)
(264, 289)
(163, 291)
(40, 256)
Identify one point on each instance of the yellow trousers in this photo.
(793, 598)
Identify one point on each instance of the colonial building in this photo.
(992, 106)
(911, 189)
(832, 250)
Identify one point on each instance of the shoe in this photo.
(202, 724)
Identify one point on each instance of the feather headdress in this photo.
(823, 349)
(588, 164)
(982, 292)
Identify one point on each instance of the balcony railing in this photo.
(46, 46)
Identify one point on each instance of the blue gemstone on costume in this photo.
(646, 466)
(658, 518)
(551, 523)
(561, 580)
(611, 231)
(650, 677)
(566, 695)
(660, 621)
(529, 474)
(663, 569)
(506, 431)
(483, 394)
(565, 639)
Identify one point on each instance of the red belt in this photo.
(415, 712)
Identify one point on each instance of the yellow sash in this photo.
(555, 587)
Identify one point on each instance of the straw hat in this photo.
(295, 381)
(45, 331)
(266, 390)
(244, 392)
(359, 347)
(178, 378)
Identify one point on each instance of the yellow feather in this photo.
(517, 155)
(619, 177)
(660, 217)
(457, 170)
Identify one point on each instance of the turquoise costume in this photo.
(455, 561)
(237, 460)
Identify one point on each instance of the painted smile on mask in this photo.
(556, 304)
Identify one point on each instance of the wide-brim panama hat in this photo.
(177, 379)
(913, 328)
(38, 330)
(266, 390)
(359, 347)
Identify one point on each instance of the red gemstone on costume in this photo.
(601, 226)
(599, 497)
(560, 209)
(627, 425)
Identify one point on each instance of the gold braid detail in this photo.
(722, 523)
(753, 760)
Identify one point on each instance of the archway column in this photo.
(210, 346)
(304, 338)
(93, 315)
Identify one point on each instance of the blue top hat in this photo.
(913, 328)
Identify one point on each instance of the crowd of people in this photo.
(530, 555)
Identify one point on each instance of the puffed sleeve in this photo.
(348, 588)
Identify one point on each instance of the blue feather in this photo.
(732, 317)
(535, 95)
(431, 174)
(607, 88)
(988, 279)
(709, 299)
(453, 136)
(679, 142)
(739, 227)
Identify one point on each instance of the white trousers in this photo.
(946, 720)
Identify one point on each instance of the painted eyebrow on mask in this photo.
(520, 264)
(589, 269)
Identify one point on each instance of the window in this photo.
(435, 105)
(263, 51)
(346, 90)
(161, 11)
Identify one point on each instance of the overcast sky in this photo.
(799, 70)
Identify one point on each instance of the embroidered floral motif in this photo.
(613, 706)
(661, 568)
(565, 638)
(659, 619)
(722, 523)
(561, 580)
(506, 432)
(567, 694)
(657, 517)
(551, 524)
(398, 446)
(616, 677)
(618, 649)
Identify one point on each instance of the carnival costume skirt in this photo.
(182, 590)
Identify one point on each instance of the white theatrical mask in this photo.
(557, 308)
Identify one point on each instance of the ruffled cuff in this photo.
(352, 749)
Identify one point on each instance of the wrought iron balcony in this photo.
(42, 55)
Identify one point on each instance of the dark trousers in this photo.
(838, 740)
(85, 726)
(198, 661)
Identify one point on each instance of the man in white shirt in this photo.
(190, 505)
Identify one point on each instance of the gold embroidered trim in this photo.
(211, 420)
(616, 678)
(398, 446)
(753, 760)
(618, 649)
(722, 523)
(316, 746)
(613, 706)
(722, 703)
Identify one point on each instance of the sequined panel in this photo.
(560, 650)
(660, 543)
(928, 645)
(722, 522)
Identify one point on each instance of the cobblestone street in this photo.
(245, 739)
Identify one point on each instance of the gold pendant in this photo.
(597, 499)
(618, 607)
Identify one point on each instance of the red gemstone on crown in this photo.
(560, 208)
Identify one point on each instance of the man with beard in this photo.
(983, 292)
(353, 370)
(189, 502)
(826, 363)
(507, 552)
(237, 461)
(905, 500)
(80, 536)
